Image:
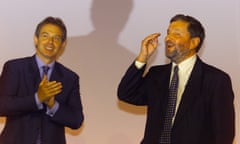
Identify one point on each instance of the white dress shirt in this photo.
(184, 72)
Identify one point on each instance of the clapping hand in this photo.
(47, 90)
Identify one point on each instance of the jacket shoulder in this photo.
(213, 71)
(160, 68)
(66, 70)
(18, 61)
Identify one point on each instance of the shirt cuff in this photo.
(139, 64)
(53, 110)
(39, 104)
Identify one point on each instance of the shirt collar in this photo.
(186, 64)
(40, 63)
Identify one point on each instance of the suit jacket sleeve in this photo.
(131, 88)
(223, 117)
(70, 111)
(13, 102)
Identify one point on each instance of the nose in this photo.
(50, 40)
(167, 38)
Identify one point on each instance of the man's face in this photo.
(178, 42)
(49, 43)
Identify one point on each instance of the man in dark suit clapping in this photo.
(38, 95)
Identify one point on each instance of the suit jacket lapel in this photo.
(160, 88)
(33, 75)
(191, 92)
(56, 73)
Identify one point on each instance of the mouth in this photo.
(49, 47)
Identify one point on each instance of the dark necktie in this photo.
(45, 70)
(165, 137)
(39, 138)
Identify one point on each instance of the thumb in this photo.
(44, 79)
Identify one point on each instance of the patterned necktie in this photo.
(165, 137)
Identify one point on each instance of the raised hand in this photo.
(148, 46)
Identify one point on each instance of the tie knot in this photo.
(175, 69)
(45, 69)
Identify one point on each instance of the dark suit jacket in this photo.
(206, 111)
(18, 84)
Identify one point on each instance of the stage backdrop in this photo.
(104, 38)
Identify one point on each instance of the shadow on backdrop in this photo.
(101, 61)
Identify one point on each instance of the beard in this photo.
(171, 52)
(177, 53)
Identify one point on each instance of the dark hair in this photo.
(195, 28)
(55, 21)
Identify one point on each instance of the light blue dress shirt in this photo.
(40, 63)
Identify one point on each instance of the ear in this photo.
(61, 51)
(35, 39)
(64, 44)
(194, 42)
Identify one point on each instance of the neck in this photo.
(178, 61)
(45, 60)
